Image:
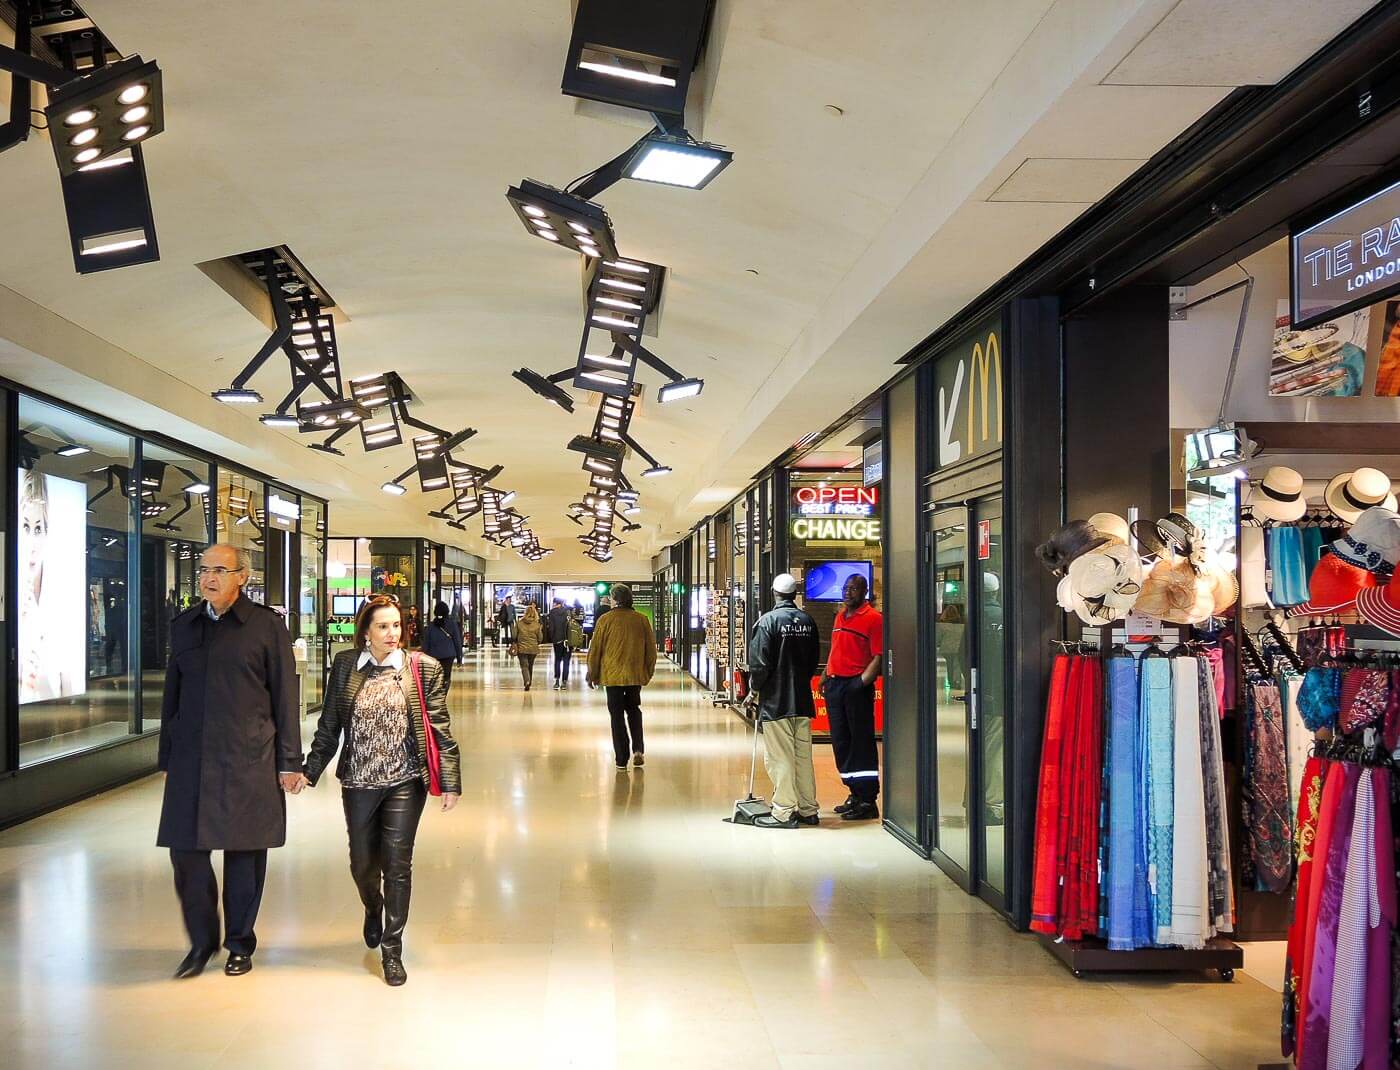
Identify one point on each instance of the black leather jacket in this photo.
(783, 656)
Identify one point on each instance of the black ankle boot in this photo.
(374, 928)
(394, 973)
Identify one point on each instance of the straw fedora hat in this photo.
(1279, 496)
(1351, 493)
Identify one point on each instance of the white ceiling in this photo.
(379, 149)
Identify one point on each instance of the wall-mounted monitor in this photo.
(344, 605)
(824, 581)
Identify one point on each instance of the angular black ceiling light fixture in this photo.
(636, 55)
(103, 112)
(238, 392)
(603, 451)
(101, 108)
(547, 386)
(564, 219)
(381, 394)
(676, 159)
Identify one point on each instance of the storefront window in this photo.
(74, 536)
(393, 570)
(311, 596)
(174, 531)
(241, 522)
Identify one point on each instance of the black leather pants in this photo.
(383, 823)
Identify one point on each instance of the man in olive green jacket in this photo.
(622, 658)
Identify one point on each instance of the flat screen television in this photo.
(343, 605)
(825, 580)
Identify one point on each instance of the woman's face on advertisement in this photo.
(33, 531)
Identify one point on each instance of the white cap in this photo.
(784, 583)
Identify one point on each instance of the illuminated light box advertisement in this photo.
(52, 600)
(1325, 360)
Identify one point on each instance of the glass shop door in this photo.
(965, 833)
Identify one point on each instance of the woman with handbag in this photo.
(391, 709)
(529, 631)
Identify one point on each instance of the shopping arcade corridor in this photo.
(568, 915)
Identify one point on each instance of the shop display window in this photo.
(75, 532)
(311, 595)
(175, 494)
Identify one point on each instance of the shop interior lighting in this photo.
(72, 450)
(197, 488)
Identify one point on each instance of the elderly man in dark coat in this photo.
(230, 745)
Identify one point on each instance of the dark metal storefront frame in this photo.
(48, 785)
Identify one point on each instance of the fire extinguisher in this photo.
(741, 684)
(670, 645)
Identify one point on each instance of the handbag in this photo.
(433, 758)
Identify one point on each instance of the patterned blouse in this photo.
(379, 755)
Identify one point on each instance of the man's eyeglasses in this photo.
(217, 571)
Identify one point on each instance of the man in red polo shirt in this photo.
(857, 646)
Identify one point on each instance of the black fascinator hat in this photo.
(1073, 540)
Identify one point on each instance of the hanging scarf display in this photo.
(1265, 796)
(1309, 807)
(1124, 925)
(1159, 786)
(1065, 889)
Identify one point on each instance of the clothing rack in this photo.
(1091, 954)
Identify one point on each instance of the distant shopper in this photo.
(783, 657)
(384, 703)
(505, 621)
(622, 659)
(529, 632)
(557, 631)
(442, 642)
(230, 745)
(412, 628)
(857, 648)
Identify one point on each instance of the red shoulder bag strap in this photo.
(433, 758)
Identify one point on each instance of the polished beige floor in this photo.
(569, 916)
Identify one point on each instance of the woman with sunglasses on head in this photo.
(391, 709)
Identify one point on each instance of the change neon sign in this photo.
(836, 528)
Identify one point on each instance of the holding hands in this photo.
(292, 783)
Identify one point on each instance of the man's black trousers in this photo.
(850, 706)
(625, 708)
(244, 874)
